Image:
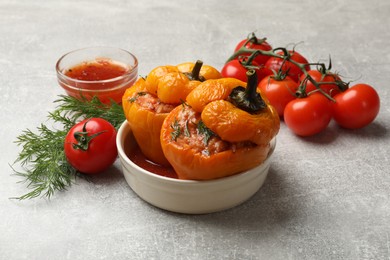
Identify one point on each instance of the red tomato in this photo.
(255, 44)
(331, 89)
(309, 115)
(279, 92)
(235, 69)
(356, 107)
(293, 71)
(90, 145)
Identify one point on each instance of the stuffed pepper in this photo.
(224, 127)
(150, 99)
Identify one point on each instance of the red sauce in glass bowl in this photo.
(96, 70)
(102, 72)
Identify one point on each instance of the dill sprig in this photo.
(176, 130)
(138, 94)
(46, 169)
(42, 158)
(204, 130)
(70, 110)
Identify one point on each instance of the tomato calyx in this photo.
(83, 139)
(342, 86)
(280, 74)
(248, 99)
(301, 92)
(248, 61)
(252, 39)
(326, 81)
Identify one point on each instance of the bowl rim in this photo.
(133, 69)
(125, 129)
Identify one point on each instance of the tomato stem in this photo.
(286, 56)
(248, 62)
(253, 39)
(83, 139)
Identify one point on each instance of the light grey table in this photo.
(326, 197)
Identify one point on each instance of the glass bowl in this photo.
(105, 89)
(188, 196)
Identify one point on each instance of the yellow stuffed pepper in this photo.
(147, 103)
(225, 127)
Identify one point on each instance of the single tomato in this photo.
(356, 107)
(279, 91)
(292, 70)
(236, 69)
(254, 43)
(309, 115)
(327, 82)
(90, 145)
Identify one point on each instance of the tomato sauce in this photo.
(96, 70)
(103, 78)
(136, 156)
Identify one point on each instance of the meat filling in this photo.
(188, 129)
(148, 101)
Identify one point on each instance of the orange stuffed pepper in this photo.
(225, 127)
(147, 103)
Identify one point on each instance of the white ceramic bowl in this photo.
(187, 196)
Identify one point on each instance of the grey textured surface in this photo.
(326, 197)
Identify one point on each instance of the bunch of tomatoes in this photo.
(306, 95)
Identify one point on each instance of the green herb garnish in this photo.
(176, 130)
(187, 130)
(45, 168)
(204, 130)
(138, 94)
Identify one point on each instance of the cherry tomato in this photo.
(294, 71)
(356, 107)
(90, 145)
(331, 89)
(309, 115)
(279, 92)
(255, 44)
(235, 69)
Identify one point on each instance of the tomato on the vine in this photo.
(356, 107)
(327, 82)
(255, 44)
(236, 69)
(308, 115)
(90, 145)
(292, 70)
(279, 91)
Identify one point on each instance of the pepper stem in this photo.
(195, 73)
(248, 99)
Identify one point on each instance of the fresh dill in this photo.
(187, 130)
(71, 110)
(138, 94)
(204, 130)
(45, 169)
(176, 130)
